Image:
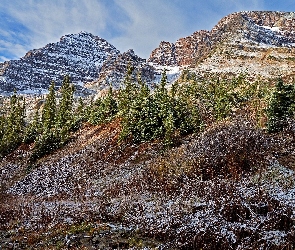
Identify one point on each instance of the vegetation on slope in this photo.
(196, 165)
(188, 107)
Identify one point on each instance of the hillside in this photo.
(197, 160)
(179, 176)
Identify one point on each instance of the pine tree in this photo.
(65, 111)
(126, 96)
(110, 106)
(48, 139)
(13, 129)
(48, 117)
(2, 126)
(32, 131)
(80, 115)
(65, 119)
(281, 106)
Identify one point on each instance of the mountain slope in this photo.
(114, 70)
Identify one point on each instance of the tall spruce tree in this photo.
(127, 94)
(13, 129)
(65, 118)
(33, 129)
(280, 106)
(65, 110)
(48, 117)
(48, 139)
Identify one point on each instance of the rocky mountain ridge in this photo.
(115, 67)
(79, 55)
(267, 28)
(239, 42)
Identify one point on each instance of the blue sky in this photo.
(136, 24)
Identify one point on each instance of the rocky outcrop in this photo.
(114, 70)
(183, 52)
(164, 54)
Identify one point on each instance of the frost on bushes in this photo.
(218, 188)
(229, 149)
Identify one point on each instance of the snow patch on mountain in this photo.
(172, 72)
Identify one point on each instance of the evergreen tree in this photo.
(65, 119)
(13, 129)
(65, 110)
(80, 115)
(2, 126)
(33, 129)
(281, 106)
(127, 94)
(48, 117)
(104, 109)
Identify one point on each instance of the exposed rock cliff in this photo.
(260, 42)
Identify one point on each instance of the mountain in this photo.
(260, 42)
(207, 165)
(79, 55)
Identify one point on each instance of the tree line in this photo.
(164, 114)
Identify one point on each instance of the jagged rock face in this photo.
(261, 27)
(164, 54)
(259, 43)
(183, 52)
(114, 70)
(80, 56)
(237, 34)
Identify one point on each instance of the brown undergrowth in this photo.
(199, 194)
(226, 150)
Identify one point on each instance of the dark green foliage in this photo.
(12, 126)
(64, 119)
(104, 109)
(80, 115)
(45, 144)
(145, 115)
(159, 115)
(57, 122)
(217, 98)
(65, 110)
(33, 129)
(48, 117)
(281, 106)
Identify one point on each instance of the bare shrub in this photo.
(228, 150)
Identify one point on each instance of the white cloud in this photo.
(136, 24)
(239, 5)
(149, 23)
(3, 59)
(47, 20)
(11, 48)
